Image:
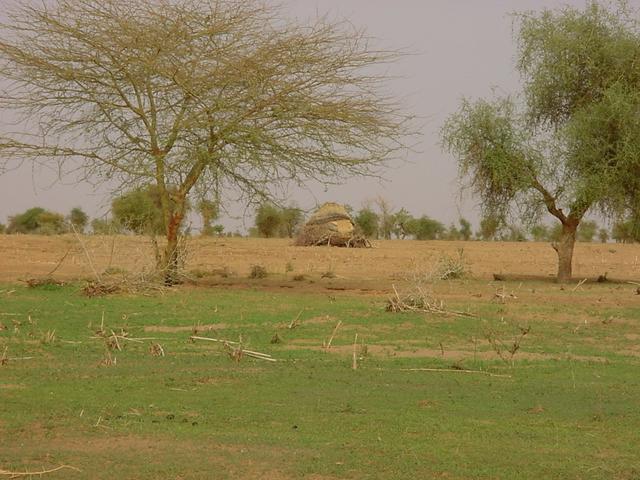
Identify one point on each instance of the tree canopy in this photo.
(570, 144)
(206, 96)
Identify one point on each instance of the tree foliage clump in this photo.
(273, 221)
(425, 228)
(626, 231)
(139, 211)
(367, 222)
(78, 219)
(571, 144)
(37, 220)
(196, 96)
(209, 210)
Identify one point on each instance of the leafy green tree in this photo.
(385, 217)
(627, 231)
(105, 226)
(539, 232)
(78, 218)
(196, 94)
(209, 211)
(139, 211)
(465, 229)
(268, 220)
(573, 147)
(37, 220)
(513, 233)
(452, 233)
(603, 235)
(367, 222)
(26, 222)
(489, 228)
(587, 231)
(555, 232)
(401, 220)
(292, 218)
(425, 228)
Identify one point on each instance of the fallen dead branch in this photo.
(501, 295)
(419, 301)
(86, 253)
(43, 282)
(354, 363)
(26, 473)
(295, 322)
(100, 289)
(327, 345)
(453, 370)
(4, 360)
(236, 350)
(580, 283)
(132, 286)
(59, 263)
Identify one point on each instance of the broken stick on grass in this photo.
(333, 334)
(11, 474)
(354, 365)
(241, 350)
(453, 370)
(294, 323)
(580, 283)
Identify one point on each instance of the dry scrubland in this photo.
(23, 256)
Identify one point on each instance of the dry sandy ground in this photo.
(26, 256)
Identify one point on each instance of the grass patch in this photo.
(566, 406)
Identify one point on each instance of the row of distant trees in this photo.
(377, 220)
(139, 212)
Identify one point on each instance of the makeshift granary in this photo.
(331, 225)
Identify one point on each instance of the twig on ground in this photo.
(580, 283)
(453, 370)
(354, 364)
(419, 301)
(239, 351)
(294, 323)
(26, 473)
(86, 253)
(333, 334)
(4, 360)
(59, 263)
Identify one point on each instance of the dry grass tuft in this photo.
(43, 282)
(156, 350)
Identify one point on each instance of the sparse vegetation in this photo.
(258, 271)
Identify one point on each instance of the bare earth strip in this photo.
(24, 256)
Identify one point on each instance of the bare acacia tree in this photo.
(196, 95)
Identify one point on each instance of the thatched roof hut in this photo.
(330, 225)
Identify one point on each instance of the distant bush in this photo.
(367, 223)
(78, 219)
(37, 220)
(258, 271)
(425, 228)
(105, 226)
(2, 227)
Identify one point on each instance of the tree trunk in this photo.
(564, 248)
(171, 258)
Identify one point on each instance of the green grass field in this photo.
(565, 405)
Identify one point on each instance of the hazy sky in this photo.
(460, 48)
